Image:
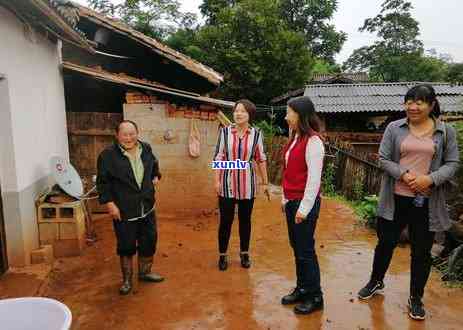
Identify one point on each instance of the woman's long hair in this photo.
(309, 123)
(425, 93)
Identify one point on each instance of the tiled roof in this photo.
(165, 51)
(327, 77)
(58, 17)
(377, 97)
(68, 11)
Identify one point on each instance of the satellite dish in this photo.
(67, 177)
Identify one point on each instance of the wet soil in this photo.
(196, 295)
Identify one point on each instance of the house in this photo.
(133, 76)
(32, 116)
(369, 106)
(358, 112)
(67, 77)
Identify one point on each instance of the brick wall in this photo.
(186, 188)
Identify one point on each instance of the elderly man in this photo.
(127, 174)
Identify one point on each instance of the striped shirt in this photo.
(239, 183)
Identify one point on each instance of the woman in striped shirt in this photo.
(303, 163)
(244, 143)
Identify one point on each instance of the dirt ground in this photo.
(196, 295)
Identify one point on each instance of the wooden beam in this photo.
(118, 79)
(91, 132)
(452, 118)
(223, 119)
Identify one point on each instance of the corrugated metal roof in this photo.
(377, 97)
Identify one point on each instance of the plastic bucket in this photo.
(34, 313)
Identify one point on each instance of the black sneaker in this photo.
(372, 288)
(416, 309)
(223, 263)
(245, 261)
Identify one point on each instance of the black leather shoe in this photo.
(223, 263)
(245, 262)
(297, 296)
(310, 305)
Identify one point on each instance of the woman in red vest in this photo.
(303, 163)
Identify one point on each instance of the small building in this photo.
(368, 107)
(133, 76)
(359, 112)
(32, 116)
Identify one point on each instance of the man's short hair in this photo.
(126, 121)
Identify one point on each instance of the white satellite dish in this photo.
(67, 177)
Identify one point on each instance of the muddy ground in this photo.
(196, 295)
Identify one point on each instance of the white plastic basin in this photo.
(34, 313)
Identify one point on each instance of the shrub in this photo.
(366, 210)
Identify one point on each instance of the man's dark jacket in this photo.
(116, 181)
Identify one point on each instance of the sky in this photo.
(440, 23)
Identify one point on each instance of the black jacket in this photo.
(116, 181)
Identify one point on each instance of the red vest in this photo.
(295, 172)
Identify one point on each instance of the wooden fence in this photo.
(273, 149)
(89, 134)
(353, 176)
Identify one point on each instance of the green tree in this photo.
(155, 18)
(210, 9)
(321, 66)
(455, 74)
(427, 68)
(398, 49)
(253, 47)
(311, 18)
(410, 67)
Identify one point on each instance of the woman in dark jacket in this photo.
(419, 155)
(303, 163)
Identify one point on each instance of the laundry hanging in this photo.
(194, 145)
